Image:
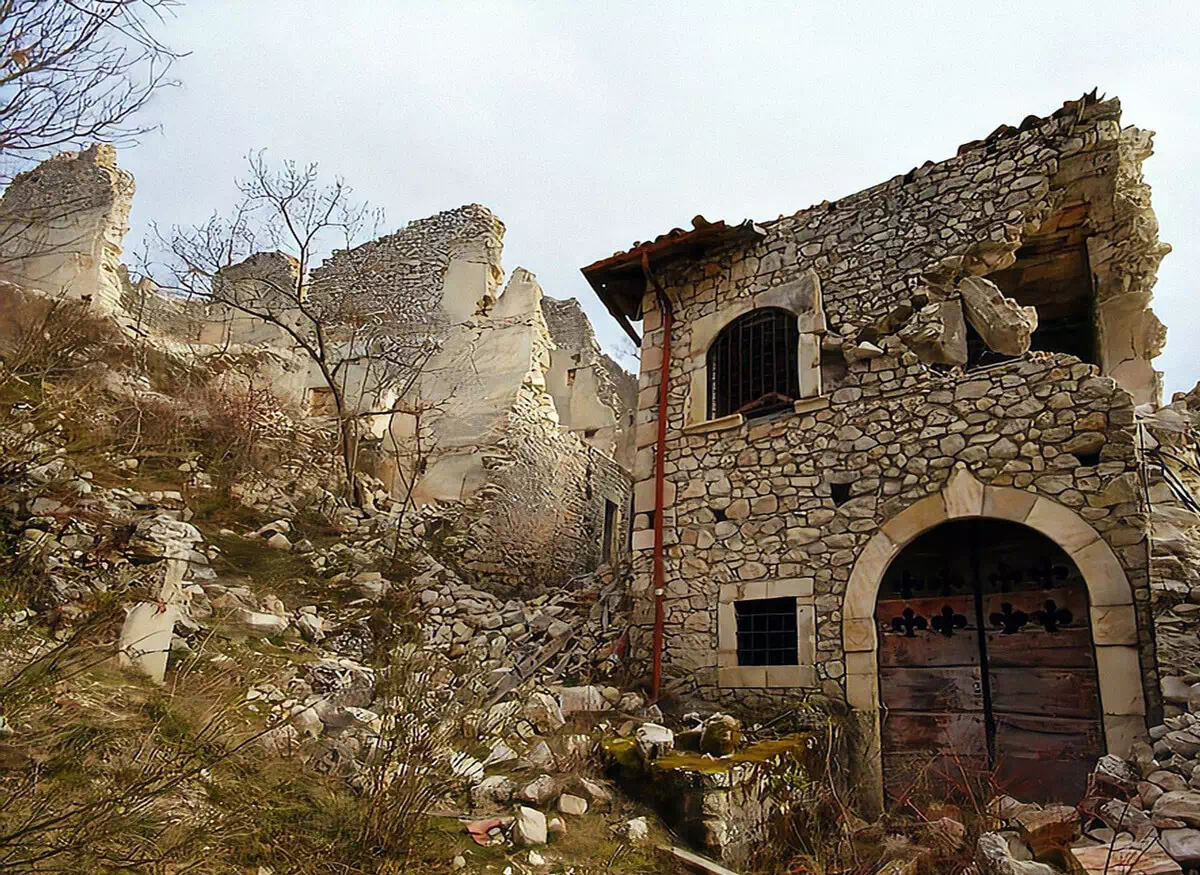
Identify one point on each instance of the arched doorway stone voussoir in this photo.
(1114, 622)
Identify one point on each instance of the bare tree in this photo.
(367, 359)
(73, 71)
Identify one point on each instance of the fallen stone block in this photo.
(993, 858)
(1183, 845)
(1135, 859)
(654, 741)
(1049, 830)
(1181, 805)
(937, 333)
(1003, 324)
(573, 805)
(529, 827)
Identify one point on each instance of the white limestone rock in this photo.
(539, 791)
(529, 827)
(1003, 324)
(654, 741)
(573, 805)
(993, 858)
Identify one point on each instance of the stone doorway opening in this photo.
(986, 665)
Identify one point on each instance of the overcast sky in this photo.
(588, 125)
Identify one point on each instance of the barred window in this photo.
(766, 632)
(752, 365)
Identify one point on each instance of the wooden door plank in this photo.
(1049, 692)
(908, 732)
(944, 689)
(1066, 648)
(1047, 738)
(929, 650)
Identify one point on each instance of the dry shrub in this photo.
(820, 830)
(239, 427)
(43, 338)
(98, 767)
(236, 427)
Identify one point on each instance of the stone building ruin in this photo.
(512, 433)
(886, 451)
(62, 224)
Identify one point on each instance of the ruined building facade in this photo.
(897, 462)
(510, 428)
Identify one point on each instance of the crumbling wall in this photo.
(539, 517)
(62, 224)
(918, 234)
(753, 502)
(477, 427)
(594, 396)
(434, 271)
(533, 492)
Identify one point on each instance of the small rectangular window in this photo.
(766, 632)
(610, 530)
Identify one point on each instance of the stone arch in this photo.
(1114, 621)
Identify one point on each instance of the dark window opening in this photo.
(752, 365)
(1052, 275)
(833, 370)
(840, 493)
(590, 432)
(610, 528)
(766, 632)
(1088, 460)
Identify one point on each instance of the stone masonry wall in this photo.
(402, 277)
(752, 502)
(539, 518)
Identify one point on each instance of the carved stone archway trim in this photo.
(1114, 622)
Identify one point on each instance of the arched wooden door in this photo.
(986, 665)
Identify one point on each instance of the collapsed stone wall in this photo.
(753, 501)
(62, 224)
(488, 438)
(536, 507)
(968, 215)
(572, 334)
(539, 518)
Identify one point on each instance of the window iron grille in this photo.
(766, 632)
(752, 365)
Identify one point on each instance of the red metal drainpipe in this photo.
(664, 306)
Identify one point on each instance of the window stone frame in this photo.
(731, 675)
(800, 297)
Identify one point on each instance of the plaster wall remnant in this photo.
(62, 224)
(910, 418)
(589, 388)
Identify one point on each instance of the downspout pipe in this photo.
(668, 318)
